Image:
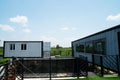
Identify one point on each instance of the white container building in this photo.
(26, 49)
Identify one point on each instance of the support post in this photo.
(6, 71)
(50, 67)
(101, 63)
(77, 68)
(118, 67)
(93, 62)
(22, 71)
(86, 60)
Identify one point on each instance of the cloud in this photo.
(73, 28)
(26, 30)
(52, 40)
(48, 39)
(6, 27)
(113, 17)
(20, 19)
(65, 28)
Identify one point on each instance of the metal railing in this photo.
(110, 62)
(53, 67)
(3, 71)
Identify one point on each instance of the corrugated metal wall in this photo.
(111, 38)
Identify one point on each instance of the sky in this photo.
(57, 21)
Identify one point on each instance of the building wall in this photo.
(111, 44)
(46, 49)
(34, 49)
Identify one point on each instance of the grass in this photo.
(1, 50)
(61, 52)
(97, 78)
(5, 59)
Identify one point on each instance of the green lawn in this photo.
(5, 59)
(97, 78)
(61, 52)
(1, 50)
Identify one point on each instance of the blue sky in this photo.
(55, 21)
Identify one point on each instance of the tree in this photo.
(58, 47)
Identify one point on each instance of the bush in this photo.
(3, 61)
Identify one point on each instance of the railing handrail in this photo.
(104, 55)
(3, 70)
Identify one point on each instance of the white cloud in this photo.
(20, 19)
(26, 30)
(65, 28)
(48, 39)
(6, 27)
(52, 40)
(113, 17)
(73, 28)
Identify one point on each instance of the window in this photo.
(99, 47)
(23, 47)
(89, 47)
(80, 48)
(12, 46)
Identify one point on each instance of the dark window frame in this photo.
(23, 46)
(89, 47)
(12, 46)
(100, 46)
(80, 47)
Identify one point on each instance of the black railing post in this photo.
(77, 67)
(6, 71)
(118, 67)
(101, 63)
(56, 66)
(86, 66)
(22, 76)
(50, 67)
(93, 62)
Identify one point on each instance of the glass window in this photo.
(12, 46)
(99, 47)
(89, 47)
(23, 47)
(80, 48)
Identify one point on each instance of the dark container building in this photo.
(104, 43)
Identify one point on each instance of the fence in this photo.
(3, 71)
(111, 62)
(51, 68)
